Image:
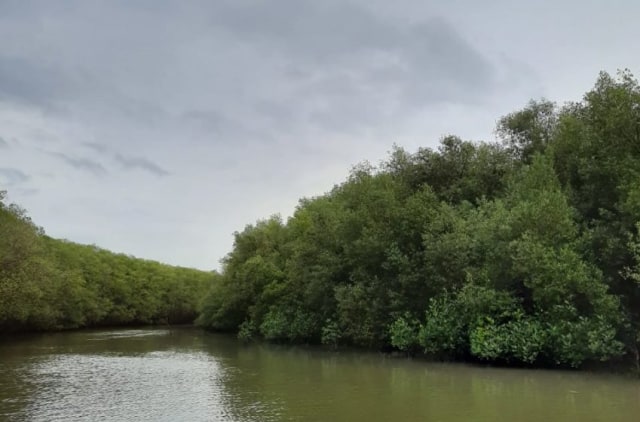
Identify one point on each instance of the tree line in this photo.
(50, 284)
(521, 251)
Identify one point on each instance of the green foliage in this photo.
(54, 284)
(246, 331)
(632, 272)
(331, 333)
(403, 333)
(521, 339)
(443, 332)
(359, 311)
(529, 130)
(451, 318)
(274, 326)
(585, 339)
(524, 251)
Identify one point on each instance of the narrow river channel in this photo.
(188, 375)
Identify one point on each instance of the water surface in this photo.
(189, 375)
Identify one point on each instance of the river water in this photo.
(189, 375)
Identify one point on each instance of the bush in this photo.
(450, 319)
(443, 332)
(520, 340)
(404, 333)
(246, 330)
(275, 326)
(574, 342)
(331, 333)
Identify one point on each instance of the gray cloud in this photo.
(445, 67)
(12, 176)
(209, 121)
(429, 60)
(82, 164)
(31, 81)
(101, 148)
(320, 30)
(3, 143)
(314, 62)
(131, 163)
(24, 192)
(127, 162)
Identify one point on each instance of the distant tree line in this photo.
(524, 251)
(50, 284)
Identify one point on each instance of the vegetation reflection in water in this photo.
(184, 374)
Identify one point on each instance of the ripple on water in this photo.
(158, 386)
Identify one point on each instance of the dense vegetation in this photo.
(54, 284)
(524, 251)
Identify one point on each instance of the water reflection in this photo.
(155, 386)
(142, 375)
(185, 374)
(313, 385)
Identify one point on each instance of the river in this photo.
(188, 375)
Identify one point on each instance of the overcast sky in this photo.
(158, 128)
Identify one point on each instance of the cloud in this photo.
(356, 48)
(23, 192)
(11, 176)
(320, 30)
(289, 65)
(3, 143)
(31, 81)
(127, 162)
(208, 121)
(339, 67)
(96, 147)
(82, 164)
(131, 163)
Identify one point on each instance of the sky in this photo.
(159, 128)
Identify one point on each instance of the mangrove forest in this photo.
(50, 284)
(522, 251)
